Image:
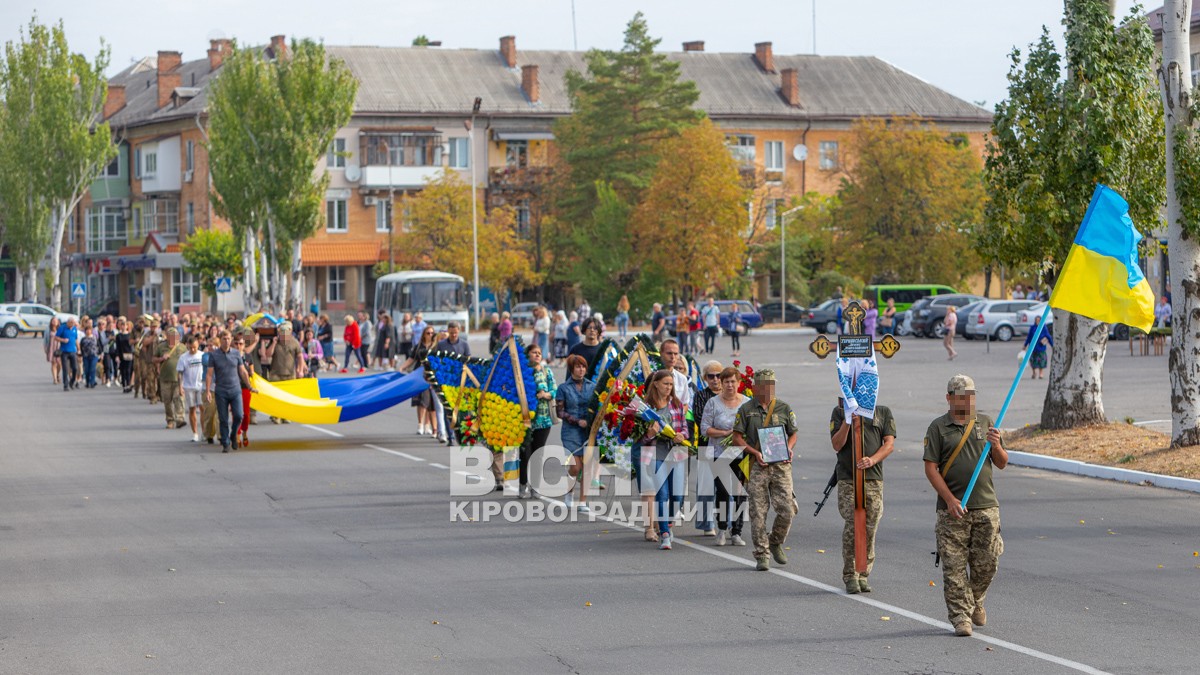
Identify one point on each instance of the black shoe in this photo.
(209, 440)
(224, 448)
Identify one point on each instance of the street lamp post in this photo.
(474, 196)
(783, 262)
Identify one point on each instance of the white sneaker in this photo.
(583, 508)
(720, 538)
(195, 438)
(421, 430)
(737, 540)
(108, 384)
(666, 542)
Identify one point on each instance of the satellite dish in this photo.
(353, 173)
(800, 153)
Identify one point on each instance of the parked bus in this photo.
(439, 296)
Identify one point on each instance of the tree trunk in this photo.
(297, 300)
(1183, 366)
(18, 284)
(264, 290)
(1076, 372)
(34, 284)
(57, 229)
(249, 256)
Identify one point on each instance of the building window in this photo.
(185, 289)
(383, 215)
(71, 229)
(773, 156)
(516, 154)
(460, 153)
(113, 170)
(336, 157)
(335, 289)
(405, 149)
(741, 147)
(773, 213)
(131, 283)
(191, 156)
(829, 156)
(191, 218)
(105, 229)
(406, 217)
(335, 216)
(160, 215)
(151, 167)
(137, 162)
(523, 218)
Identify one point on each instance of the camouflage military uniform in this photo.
(149, 368)
(874, 430)
(168, 381)
(969, 548)
(768, 486)
(283, 360)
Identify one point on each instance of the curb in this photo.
(1075, 467)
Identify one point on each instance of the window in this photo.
(516, 154)
(137, 222)
(383, 215)
(151, 167)
(113, 170)
(185, 289)
(105, 229)
(774, 212)
(191, 156)
(131, 283)
(523, 218)
(335, 289)
(191, 218)
(406, 217)
(160, 215)
(137, 162)
(460, 153)
(829, 156)
(335, 216)
(431, 296)
(336, 157)
(404, 149)
(71, 229)
(741, 147)
(773, 156)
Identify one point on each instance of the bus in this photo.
(439, 296)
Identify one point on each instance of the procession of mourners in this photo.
(713, 430)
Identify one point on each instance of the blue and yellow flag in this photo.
(1101, 278)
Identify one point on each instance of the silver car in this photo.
(997, 318)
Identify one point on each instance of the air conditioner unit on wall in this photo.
(187, 176)
(368, 200)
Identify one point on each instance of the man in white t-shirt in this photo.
(191, 383)
(669, 353)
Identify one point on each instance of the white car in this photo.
(996, 318)
(1025, 317)
(30, 317)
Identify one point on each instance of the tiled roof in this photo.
(433, 81)
(326, 253)
(129, 250)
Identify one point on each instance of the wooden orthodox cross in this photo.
(854, 343)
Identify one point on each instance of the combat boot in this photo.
(979, 616)
(852, 586)
(862, 586)
(963, 629)
(764, 563)
(777, 554)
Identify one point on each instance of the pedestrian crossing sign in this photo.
(78, 290)
(224, 284)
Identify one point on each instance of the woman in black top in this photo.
(125, 355)
(325, 337)
(426, 418)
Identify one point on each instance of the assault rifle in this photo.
(828, 488)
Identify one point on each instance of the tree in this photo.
(271, 123)
(421, 40)
(440, 237)
(210, 254)
(1053, 139)
(908, 204)
(53, 99)
(1183, 220)
(809, 248)
(628, 101)
(690, 222)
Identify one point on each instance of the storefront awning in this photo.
(522, 135)
(340, 253)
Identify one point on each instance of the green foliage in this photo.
(908, 204)
(809, 246)
(1060, 133)
(1187, 175)
(210, 254)
(827, 281)
(612, 269)
(421, 40)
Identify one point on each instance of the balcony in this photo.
(513, 179)
(398, 177)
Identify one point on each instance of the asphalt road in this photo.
(128, 549)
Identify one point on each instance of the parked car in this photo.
(36, 317)
(929, 320)
(823, 317)
(1025, 317)
(904, 295)
(963, 313)
(791, 312)
(12, 325)
(749, 316)
(521, 313)
(996, 318)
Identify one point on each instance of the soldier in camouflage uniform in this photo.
(968, 539)
(769, 485)
(166, 359)
(286, 359)
(135, 344)
(147, 348)
(879, 438)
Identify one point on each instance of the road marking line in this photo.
(892, 609)
(438, 466)
(397, 453)
(1138, 424)
(324, 431)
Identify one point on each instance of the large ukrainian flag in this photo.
(1101, 278)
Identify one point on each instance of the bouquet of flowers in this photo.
(638, 411)
(616, 432)
(745, 379)
(468, 429)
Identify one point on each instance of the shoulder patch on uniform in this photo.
(832, 425)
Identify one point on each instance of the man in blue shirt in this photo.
(68, 339)
(226, 373)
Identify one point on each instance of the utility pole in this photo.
(474, 197)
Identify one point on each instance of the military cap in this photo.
(764, 376)
(960, 384)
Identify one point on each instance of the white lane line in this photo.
(323, 430)
(1138, 424)
(891, 609)
(397, 453)
(438, 466)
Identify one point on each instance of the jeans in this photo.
(357, 354)
(669, 498)
(534, 442)
(543, 341)
(622, 323)
(694, 341)
(735, 339)
(229, 413)
(69, 365)
(89, 370)
(710, 338)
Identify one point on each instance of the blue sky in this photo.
(961, 46)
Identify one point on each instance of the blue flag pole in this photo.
(987, 448)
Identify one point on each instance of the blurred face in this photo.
(579, 371)
(729, 386)
(664, 386)
(193, 347)
(427, 335)
(670, 353)
(535, 356)
(591, 332)
(962, 403)
(764, 391)
(713, 380)
(452, 332)
(225, 341)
